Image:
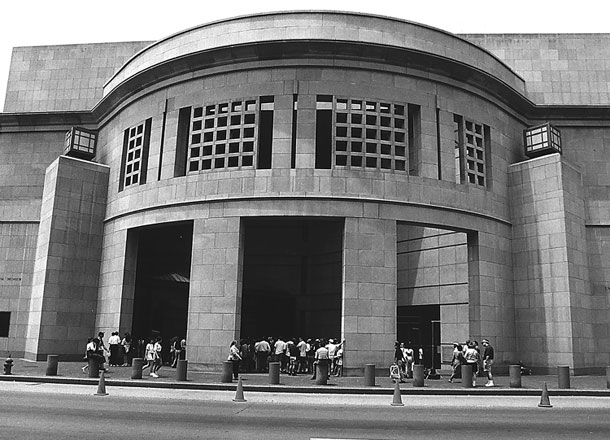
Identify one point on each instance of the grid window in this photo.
(134, 162)
(224, 135)
(367, 134)
(470, 152)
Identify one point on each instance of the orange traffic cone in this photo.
(397, 398)
(101, 387)
(239, 392)
(544, 399)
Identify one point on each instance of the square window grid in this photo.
(223, 136)
(133, 162)
(370, 134)
(474, 144)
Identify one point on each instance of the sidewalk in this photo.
(71, 373)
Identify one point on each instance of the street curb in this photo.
(329, 389)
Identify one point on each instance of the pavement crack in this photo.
(241, 410)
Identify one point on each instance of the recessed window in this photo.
(360, 134)
(471, 151)
(134, 163)
(5, 321)
(225, 134)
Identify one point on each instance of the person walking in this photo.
(235, 357)
(175, 349)
(399, 361)
(149, 353)
(488, 360)
(127, 350)
(456, 361)
(472, 358)
(157, 358)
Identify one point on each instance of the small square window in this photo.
(246, 161)
(233, 161)
(341, 160)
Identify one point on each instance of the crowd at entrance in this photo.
(295, 356)
(120, 352)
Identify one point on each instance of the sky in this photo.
(45, 22)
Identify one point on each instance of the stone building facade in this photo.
(314, 174)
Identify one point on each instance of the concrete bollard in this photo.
(274, 373)
(514, 373)
(227, 372)
(136, 368)
(563, 377)
(369, 375)
(181, 368)
(467, 376)
(418, 375)
(94, 369)
(322, 372)
(52, 362)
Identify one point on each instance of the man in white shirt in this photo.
(114, 341)
(332, 351)
(303, 348)
(280, 353)
(262, 350)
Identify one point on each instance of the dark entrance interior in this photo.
(420, 326)
(292, 278)
(162, 281)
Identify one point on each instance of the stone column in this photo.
(369, 291)
(553, 301)
(215, 290)
(68, 256)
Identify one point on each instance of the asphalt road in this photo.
(29, 411)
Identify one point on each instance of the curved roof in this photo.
(337, 27)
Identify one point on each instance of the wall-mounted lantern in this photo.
(80, 143)
(541, 139)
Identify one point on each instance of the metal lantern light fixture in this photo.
(80, 143)
(541, 139)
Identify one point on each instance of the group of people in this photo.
(294, 357)
(470, 354)
(118, 353)
(404, 358)
(122, 351)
